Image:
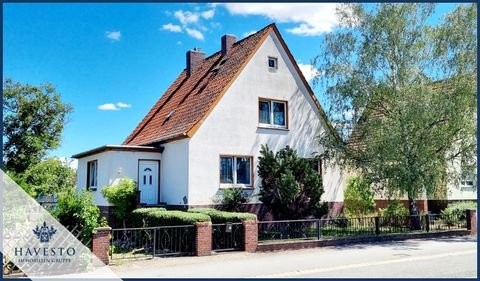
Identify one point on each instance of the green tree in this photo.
(358, 197)
(34, 117)
(290, 187)
(77, 211)
(48, 177)
(123, 195)
(408, 90)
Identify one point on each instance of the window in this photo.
(236, 170)
(316, 164)
(272, 113)
(92, 167)
(466, 180)
(272, 63)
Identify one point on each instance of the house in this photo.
(205, 132)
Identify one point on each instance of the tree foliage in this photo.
(77, 210)
(48, 177)
(290, 187)
(408, 90)
(34, 117)
(358, 197)
(123, 195)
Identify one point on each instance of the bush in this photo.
(291, 188)
(395, 209)
(457, 212)
(358, 197)
(223, 217)
(233, 198)
(150, 217)
(123, 196)
(77, 210)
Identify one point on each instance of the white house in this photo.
(204, 134)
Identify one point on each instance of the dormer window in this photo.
(272, 114)
(272, 63)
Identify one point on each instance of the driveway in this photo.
(440, 257)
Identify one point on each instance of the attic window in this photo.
(169, 115)
(272, 63)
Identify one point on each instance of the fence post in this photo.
(250, 235)
(472, 221)
(101, 244)
(427, 223)
(154, 241)
(203, 238)
(318, 229)
(377, 226)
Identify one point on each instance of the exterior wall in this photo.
(174, 173)
(454, 190)
(112, 166)
(232, 126)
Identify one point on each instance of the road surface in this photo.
(440, 257)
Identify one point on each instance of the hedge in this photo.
(150, 217)
(223, 217)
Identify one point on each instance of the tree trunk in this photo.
(414, 215)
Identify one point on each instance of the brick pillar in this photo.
(203, 238)
(250, 235)
(472, 221)
(101, 244)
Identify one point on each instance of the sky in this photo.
(113, 61)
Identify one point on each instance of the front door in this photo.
(148, 181)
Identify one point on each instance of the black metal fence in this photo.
(227, 237)
(152, 241)
(316, 229)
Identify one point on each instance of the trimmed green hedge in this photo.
(150, 217)
(223, 217)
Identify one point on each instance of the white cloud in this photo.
(208, 14)
(186, 17)
(112, 106)
(179, 42)
(108, 106)
(308, 71)
(194, 33)
(172, 27)
(123, 105)
(114, 35)
(246, 34)
(312, 19)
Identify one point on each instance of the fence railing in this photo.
(316, 229)
(152, 241)
(227, 236)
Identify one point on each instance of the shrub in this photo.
(123, 196)
(358, 197)
(150, 217)
(291, 188)
(233, 198)
(395, 209)
(77, 210)
(223, 217)
(457, 212)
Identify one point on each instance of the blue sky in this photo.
(113, 61)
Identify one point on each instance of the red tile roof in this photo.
(188, 101)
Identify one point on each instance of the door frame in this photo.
(138, 176)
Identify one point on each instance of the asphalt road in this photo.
(441, 257)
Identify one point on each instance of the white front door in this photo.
(148, 181)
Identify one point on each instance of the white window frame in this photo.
(275, 60)
(234, 172)
(468, 178)
(270, 108)
(95, 175)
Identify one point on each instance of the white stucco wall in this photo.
(112, 166)
(454, 190)
(232, 126)
(174, 172)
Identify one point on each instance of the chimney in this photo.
(194, 59)
(227, 42)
